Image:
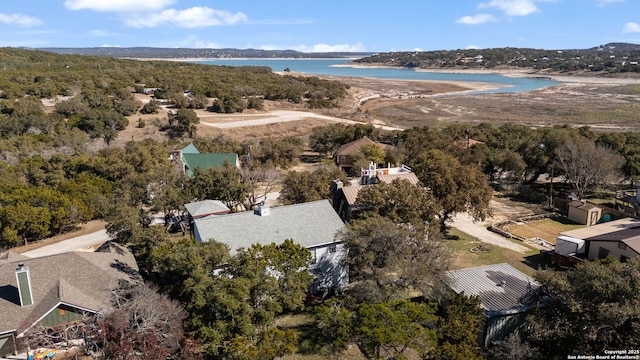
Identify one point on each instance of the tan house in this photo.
(345, 154)
(619, 238)
(584, 213)
(622, 245)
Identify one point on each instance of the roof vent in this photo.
(502, 283)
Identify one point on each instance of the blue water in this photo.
(326, 67)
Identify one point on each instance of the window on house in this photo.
(314, 259)
(332, 248)
(603, 253)
(623, 259)
(622, 245)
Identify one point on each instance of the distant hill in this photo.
(186, 53)
(612, 58)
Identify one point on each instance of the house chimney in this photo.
(24, 285)
(264, 210)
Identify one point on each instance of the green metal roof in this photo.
(190, 149)
(207, 161)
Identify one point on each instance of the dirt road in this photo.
(277, 116)
(465, 223)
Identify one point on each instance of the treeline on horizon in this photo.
(45, 75)
(610, 58)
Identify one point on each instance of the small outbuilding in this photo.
(584, 212)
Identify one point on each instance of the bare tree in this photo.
(143, 324)
(260, 180)
(587, 165)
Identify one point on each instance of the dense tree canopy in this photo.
(587, 310)
(391, 261)
(455, 187)
(299, 187)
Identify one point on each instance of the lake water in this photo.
(327, 67)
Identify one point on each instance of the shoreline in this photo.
(512, 73)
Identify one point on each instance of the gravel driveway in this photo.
(465, 223)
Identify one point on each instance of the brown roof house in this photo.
(58, 289)
(501, 289)
(344, 198)
(619, 238)
(345, 154)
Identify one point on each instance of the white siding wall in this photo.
(328, 270)
(613, 247)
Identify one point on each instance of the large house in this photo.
(619, 238)
(58, 289)
(312, 225)
(501, 289)
(189, 159)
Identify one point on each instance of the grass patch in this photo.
(547, 229)
(462, 243)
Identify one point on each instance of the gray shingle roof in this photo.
(81, 279)
(206, 207)
(307, 224)
(485, 282)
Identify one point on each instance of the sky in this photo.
(320, 26)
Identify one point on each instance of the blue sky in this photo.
(328, 25)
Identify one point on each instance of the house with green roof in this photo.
(189, 159)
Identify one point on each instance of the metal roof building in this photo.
(501, 289)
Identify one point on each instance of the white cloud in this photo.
(359, 47)
(118, 5)
(512, 7)
(476, 19)
(194, 17)
(19, 19)
(101, 33)
(317, 48)
(417, 49)
(208, 45)
(108, 46)
(472, 47)
(631, 27)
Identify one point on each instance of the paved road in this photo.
(464, 223)
(73, 244)
(279, 116)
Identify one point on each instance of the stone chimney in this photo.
(24, 285)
